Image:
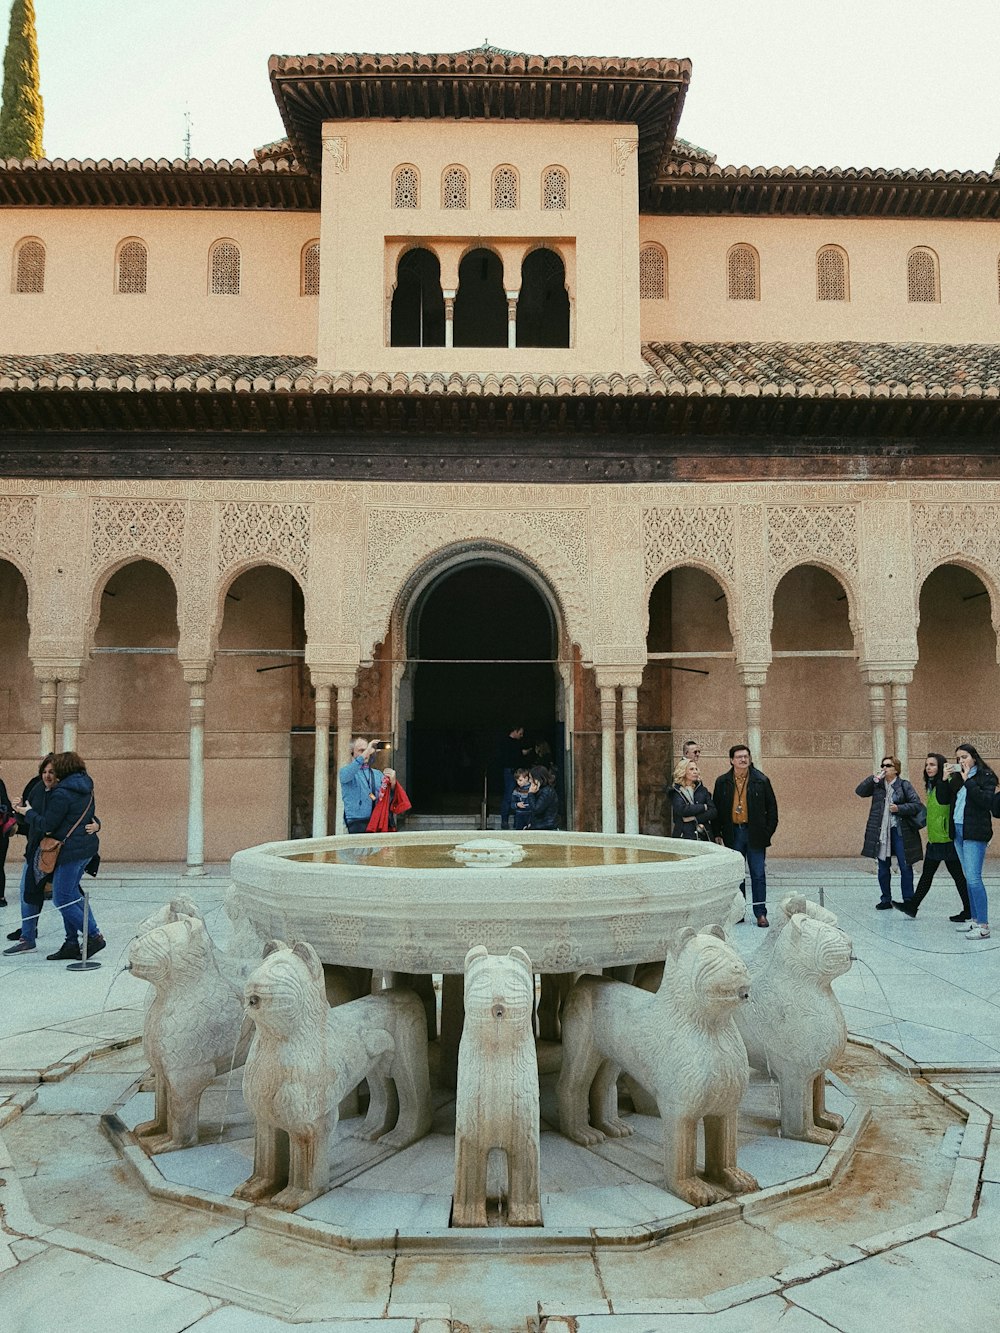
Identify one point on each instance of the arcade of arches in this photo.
(210, 654)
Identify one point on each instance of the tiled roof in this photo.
(699, 187)
(481, 84)
(683, 370)
(263, 182)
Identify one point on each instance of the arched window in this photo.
(130, 268)
(743, 272)
(405, 187)
(455, 188)
(29, 267)
(543, 303)
(832, 280)
(505, 191)
(417, 314)
(309, 265)
(922, 282)
(481, 302)
(652, 273)
(555, 188)
(224, 269)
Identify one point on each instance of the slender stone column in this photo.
(630, 756)
(345, 683)
(196, 677)
(512, 319)
(753, 678)
(49, 702)
(449, 318)
(321, 757)
(70, 710)
(876, 709)
(901, 726)
(609, 774)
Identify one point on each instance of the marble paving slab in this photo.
(380, 1212)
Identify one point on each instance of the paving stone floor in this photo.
(909, 1234)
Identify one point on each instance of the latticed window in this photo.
(225, 264)
(405, 188)
(29, 268)
(455, 188)
(743, 267)
(555, 188)
(652, 273)
(310, 269)
(505, 188)
(130, 275)
(922, 276)
(831, 274)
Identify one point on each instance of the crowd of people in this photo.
(960, 802)
(57, 818)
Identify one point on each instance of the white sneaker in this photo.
(967, 928)
(981, 933)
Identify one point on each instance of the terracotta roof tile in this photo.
(674, 370)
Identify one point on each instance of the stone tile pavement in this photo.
(81, 1245)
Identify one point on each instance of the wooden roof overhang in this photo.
(696, 188)
(482, 84)
(269, 184)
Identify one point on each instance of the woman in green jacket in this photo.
(940, 848)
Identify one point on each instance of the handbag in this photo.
(702, 834)
(49, 848)
(8, 824)
(919, 820)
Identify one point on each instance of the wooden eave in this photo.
(161, 184)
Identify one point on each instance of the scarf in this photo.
(884, 838)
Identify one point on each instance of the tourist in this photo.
(691, 750)
(691, 803)
(746, 817)
(543, 799)
(8, 824)
(67, 813)
(32, 891)
(360, 784)
(940, 847)
(520, 804)
(515, 751)
(891, 830)
(974, 784)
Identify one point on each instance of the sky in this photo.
(892, 83)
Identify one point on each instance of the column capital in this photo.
(887, 673)
(197, 671)
(60, 668)
(613, 677)
(753, 673)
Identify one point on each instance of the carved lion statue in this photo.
(795, 1028)
(245, 949)
(497, 1097)
(194, 1026)
(682, 1044)
(306, 1056)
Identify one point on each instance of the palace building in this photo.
(484, 397)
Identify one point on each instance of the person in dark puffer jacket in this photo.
(543, 799)
(974, 784)
(65, 813)
(890, 830)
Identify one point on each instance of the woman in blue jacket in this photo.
(65, 813)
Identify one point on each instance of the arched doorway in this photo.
(482, 643)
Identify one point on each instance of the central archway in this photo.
(482, 642)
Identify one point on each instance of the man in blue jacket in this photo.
(361, 784)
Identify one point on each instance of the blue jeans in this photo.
(755, 858)
(29, 913)
(68, 897)
(972, 855)
(905, 870)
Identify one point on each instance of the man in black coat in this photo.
(745, 820)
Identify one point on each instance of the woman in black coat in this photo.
(974, 784)
(891, 830)
(6, 814)
(543, 800)
(32, 890)
(691, 803)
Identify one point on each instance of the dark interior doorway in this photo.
(481, 302)
(490, 618)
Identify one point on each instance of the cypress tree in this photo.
(22, 117)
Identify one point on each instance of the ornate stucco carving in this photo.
(335, 149)
(17, 532)
(264, 533)
(137, 528)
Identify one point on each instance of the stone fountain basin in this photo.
(401, 901)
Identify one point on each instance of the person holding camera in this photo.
(974, 784)
(891, 830)
(361, 784)
(543, 800)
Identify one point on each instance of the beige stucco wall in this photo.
(363, 233)
(79, 310)
(698, 308)
(352, 550)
